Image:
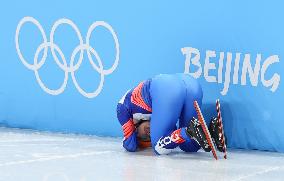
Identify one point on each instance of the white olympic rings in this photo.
(64, 66)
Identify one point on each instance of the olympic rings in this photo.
(64, 66)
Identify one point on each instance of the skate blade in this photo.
(220, 126)
(205, 129)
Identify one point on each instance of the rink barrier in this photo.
(233, 49)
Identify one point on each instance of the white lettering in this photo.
(227, 74)
(187, 51)
(275, 80)
(192, 55)
(253, 74)
(220, 69)
(209, 66)
(236, 68)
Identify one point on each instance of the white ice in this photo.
(40, 156)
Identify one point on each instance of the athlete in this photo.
(159, 113)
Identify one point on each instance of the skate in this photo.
(216, 133)
(195, 131)
(217, 127)
(205, 129)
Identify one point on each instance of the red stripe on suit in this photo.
(137, 99)
(128, 128)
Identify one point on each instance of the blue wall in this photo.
(234, 49)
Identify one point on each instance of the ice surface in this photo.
(40, 156)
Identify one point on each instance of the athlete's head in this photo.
(143, 133)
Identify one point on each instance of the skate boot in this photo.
(216, 131)
(195, 131)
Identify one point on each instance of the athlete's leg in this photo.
(193, 93)
(167, 93)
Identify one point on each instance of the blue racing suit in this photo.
(168, 101)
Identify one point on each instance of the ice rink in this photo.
(40, 156)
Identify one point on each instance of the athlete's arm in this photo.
(129, 132)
